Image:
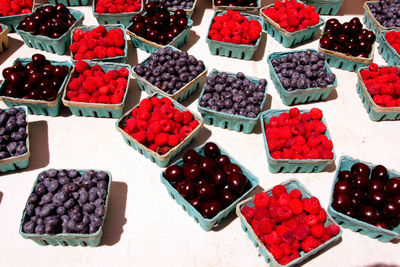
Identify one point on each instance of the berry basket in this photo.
(230, 121)
(160, 160)
(116, 18)
(387, 51)
(383, 235)
(151, 47)
(245, 9)
(97, 109)
(180, 95)
(12, 21)
(299, 96)
(117, 59)
(376, 113)
(293, 165)
(241, 51)
(21, 161)
(325, 7)
(38, 107)
(290, 185)
(56, 46)
(289, 39)
(208, 224)
(3, 38)
(189, 12)
(73, 239)
(70, 2)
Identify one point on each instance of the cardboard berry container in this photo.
(3, 37)
(98, 110)
(12, 21)
(269, 258)
(181, 94)
(208, 224)
(189, 11)
(376, 113)
(38, 107)
(150, 47)
(224, 120)
(70, 2)
(160, 160)
(381, 234)
(289, 39)
(241, 51)
(21, 161)
(389, 54)
(116, 18)
(73, 239)
(116, 59)
(293, 165)
(325, 7)
(52, 45)
(245, 9)
(299, 96)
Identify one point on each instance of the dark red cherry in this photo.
(151, 9)
(396, 200)
(227, 197)
(380, 172)
(357, 196)
(56, 83)
(237, 182)
(61, 8)
(7, 71)
(382, 225)
(186, 189)
(342, 186)
(180, 13)
(43, 84)
(360, 168)
(346, 176)
(192, 171)
(196, 203)
(34, 94)
(391, 210)
(351, 213)
(14, 79)
(367, 214)
(191, 156)
(49, 11)
(55, 35)
(35, 77)
(326, 43)
(48, 94)
(31, 26)
(182, 23)
(208, 166)
(11, 92)
(139, 28)
(47, 74)
(360, 181)
(393, 186)
(173, 173)
(341, 202)
(172, 20)
(206, 191)
(211, 208)
(137, 18)
(370, 37)
(232, 168)
(211, 150)
(375, 184)
(222, 160)
(331, 22)
(342, 39)
(60, 72)
(218, 178)
(338, 48)
(377, 198)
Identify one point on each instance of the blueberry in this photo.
(30, 210)
(61, 210)
(40, 189)
(72, 173)
(39, 229)
(29, 227)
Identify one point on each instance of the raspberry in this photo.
(248, 213)
(332, 230)
(373, 67)
(143, 114)
(312, 205)
(193, 124)
(281, 229)
(301, 232)
(288, 236)
(173, 140)
(272, 239)
(276, 251)
(321, 216)
(262, 200)
(296, 206)
(265, 226)
(146, 104)
(140, 136)
(81, 66)
(155, 101)
(260, 213)
(295, 193)
(317, 231)
(311, 220)
(284, 260)
(309, 244)
(187, 117)
(287, 249)
(161, 139)
(319, 126)
(278, 190)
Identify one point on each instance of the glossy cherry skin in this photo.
(351, 212)
(330, 23)
(375, 184)
(137, 18)
(182, 23)
(357, 196)
(7, 71)
(34, 94)
(367, 214)
(211, 150)
(326, 43)
(180, 13)
(151, 8)
(237, 182)
(35, 77)
(342, 186)
(173, 173)
(382, 225)
(360, 168)
(211, 208)
(60, 71)
(14, 79)
(396, 199)
(11, 92)
(196, 203)
(227, 197)
(48, 94)
(341, 202)
(139, 28)
(218, 178)
(393, 186)
(206, 191)
(342, 39)
(391, 210)
(192, 171)
(191, 156)
(377, 198)
(380, 172)
(186, 189)
(61, 8)
(346, 176)
(49, 11)
(360, 181)
(232, 168)
(208, 166)
(222, 160)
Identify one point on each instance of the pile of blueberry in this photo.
(170, 70)
(387, 12)
(66, 201)
(183, 4)
(302, 70)
(233, 94)
(12, 133)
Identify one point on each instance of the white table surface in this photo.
(144, 226)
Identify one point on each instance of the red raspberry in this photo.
(321, 216)
(309, 244)
(277, 252)
(332, 230)
(373, 67)
(317, 230)
(316, 113)
(140, 136)
(161, 139)
(265, 226)
(311, 220)
(262, 200)
(173, 140)
(319, 126)
(248, 213)
(81, 66)
(296, 206)
(312, 205)
(155, 101)
(143, 114)
(295, 193)
(193, 124)
(278, 190)
(260, 213)
(288, 236)
(272, 239)
(104, 99)
(187, 117)
(301, 232)
(146, 105)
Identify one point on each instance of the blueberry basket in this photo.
(289, 39)
(376, 113)
(241, 51)
(290, 185)
(208, 224)
(12, 21)
(21, 161)
(37, 107)
(116, 18)
(189, 11)
(3, 38)
(325, 7)
(181, 94)
(160, 160)
(117, 59)
(151, 47)
(70, 2)
(299, 96)
(230, 121)
(92, 240)
(293, 165)
(245, 9)
(99, 110)
(387, 51)
(383, 235)
(58, 45)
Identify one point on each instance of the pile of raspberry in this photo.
(93, 85)
(295, 135)
(393, 38)
(287, 223)
(235, 28)
(383, 84)
(158, 125)
(15, 7)
(97, 43)
(292, 15)
(117, 6)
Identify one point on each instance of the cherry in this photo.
(196, 203)
(182, 23)
(192, 171)
(7, 71)
(14, 79)
(338, 48)
(396, 199)
(211, 208)
(173, 173)
(48, 94)
(218, 178)
(173, 19)
(191, 156)
(222, 160)
(211, 150)
(180, 13)
(370, 37)
(382, 225)
(353, 48)
(346, 28)
(360, 181)
(375, 184)
(341, 202)
(367, 214)
(60, 8)
(391, 210)
(351, 213)
(227, 197)
(137, 18)
(232, 168)
(60, 71)
(360, 168)
(35, 77)
(139, 28)
(34, 94)
(48, 11)
(31, 26)
(208, 166)
(330, 23)
(377, 198)
(380, 172)
(151, 8)
(379, 215)
(56, 83)
(346, 175)
(206, 191)
(342, 39)
(237, 182)
(11, 92)
(326, 43)
(393, 186)
(365, 46)
(186, 189)
(357, 196)
(342, 186)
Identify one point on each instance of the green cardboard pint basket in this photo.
(12, 21)
(70, 2)
(245, 9)
(325, 7)
(115, 18)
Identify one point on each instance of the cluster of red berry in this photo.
(383, 84)
(15, 7)
(296, 135)
(292, 15)
(93, 85)
(158, 125)
(117, 6)
(393, 39)
(97, 43)
(235, 28)
(288, 223)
